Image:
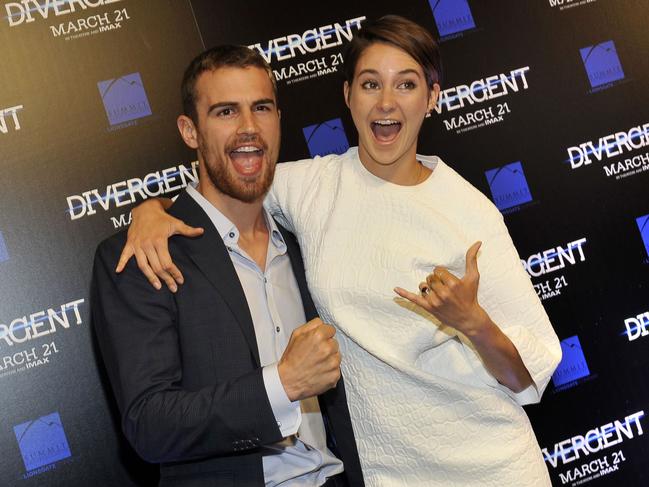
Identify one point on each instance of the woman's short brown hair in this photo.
(400, 32)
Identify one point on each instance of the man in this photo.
(207, 381)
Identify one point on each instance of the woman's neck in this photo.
(405, 171)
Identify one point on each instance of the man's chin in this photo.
(247, 192)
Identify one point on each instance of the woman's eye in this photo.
(370, 85)
(408, 85)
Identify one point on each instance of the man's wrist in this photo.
(284, 376)
(287, 413)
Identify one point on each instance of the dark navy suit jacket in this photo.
(185, 367)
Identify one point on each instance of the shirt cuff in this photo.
(287, 413)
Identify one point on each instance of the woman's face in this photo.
(388, 99)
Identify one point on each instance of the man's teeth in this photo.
(247, 148)
(386, 122)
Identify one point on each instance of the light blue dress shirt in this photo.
(273, 297)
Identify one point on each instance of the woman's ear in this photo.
(346, 92)
(433, 97)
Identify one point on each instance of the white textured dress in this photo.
(425, 410)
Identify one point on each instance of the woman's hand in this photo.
(451, 300)
(148, 236)
(455, 303)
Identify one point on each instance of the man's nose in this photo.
(247, 123)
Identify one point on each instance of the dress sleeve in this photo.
(508, 296)
(299, 192)
(276, 200)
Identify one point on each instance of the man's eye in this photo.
(225, 112)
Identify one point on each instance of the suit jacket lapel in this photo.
(210, 255)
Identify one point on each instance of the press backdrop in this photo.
(544, 108)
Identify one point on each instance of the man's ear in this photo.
(346, 89)
(187, 131)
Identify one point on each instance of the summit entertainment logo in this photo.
(124, 99)
(42, 442)
(326, 138)
(573, 364)
(602, 64)
(452, 16)
(643, 227)
(509, 187)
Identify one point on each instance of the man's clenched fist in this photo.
(310, 364)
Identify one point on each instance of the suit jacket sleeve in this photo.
(137, 330)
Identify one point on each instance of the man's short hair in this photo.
(224, 56)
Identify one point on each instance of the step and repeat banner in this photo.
(544, 108)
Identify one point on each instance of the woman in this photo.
(435, 380)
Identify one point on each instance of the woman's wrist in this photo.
(479, 327)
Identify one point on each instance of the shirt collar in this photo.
(228, 230)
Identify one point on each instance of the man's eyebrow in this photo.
(264, 101)
(235, 104)
(222, 104)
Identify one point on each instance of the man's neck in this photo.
(247, 217)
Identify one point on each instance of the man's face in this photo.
(237, 133)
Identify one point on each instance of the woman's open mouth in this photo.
(385, 131)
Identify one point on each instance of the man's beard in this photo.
(228, 182)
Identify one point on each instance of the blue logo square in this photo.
(452, 16)
(4, 253)
(573, 365)
(42, 441)
(643, 226)
(508, 186)
(124, 98)
(326, 138)
(601, 63)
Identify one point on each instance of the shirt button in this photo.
(277, 329)
(265, 280)
(231, 234)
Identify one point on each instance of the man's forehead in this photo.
(234, 84)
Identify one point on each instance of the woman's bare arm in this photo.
(148, 237)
